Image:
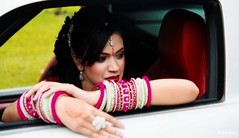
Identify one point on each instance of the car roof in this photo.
(7, 6)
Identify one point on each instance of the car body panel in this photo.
(218, 119)
(197, 122)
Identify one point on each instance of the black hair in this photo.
(92, 27)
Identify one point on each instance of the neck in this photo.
(86, 86)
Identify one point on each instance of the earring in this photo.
(81, 75)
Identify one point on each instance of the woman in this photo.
(90, 50)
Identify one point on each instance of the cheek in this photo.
(122, 65)
(96, 70)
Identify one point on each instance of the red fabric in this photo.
(47, 69)
(182, 45)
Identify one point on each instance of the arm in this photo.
(173, 91)
(77, 115)
(10, 113)
(164, 91)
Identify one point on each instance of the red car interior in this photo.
(183, 49)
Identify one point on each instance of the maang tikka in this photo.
(112, 44)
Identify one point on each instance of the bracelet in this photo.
(149, 91)
(26, 108)
(46, 108)
(53, 106)
(99, 102)
(19, 111)
(40, 109)
(124, 95)
(115, 104)
(108, 96)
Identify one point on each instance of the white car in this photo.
(191, 39)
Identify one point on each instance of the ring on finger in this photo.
(99, 123)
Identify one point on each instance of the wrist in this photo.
(91, 97)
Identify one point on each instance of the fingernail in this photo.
(27, 95)
(121, 125)
(34, 98)
(121, 135)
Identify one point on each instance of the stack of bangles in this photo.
(124, 95)
(115, 96)
(43, 108)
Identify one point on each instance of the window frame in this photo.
(213, 12)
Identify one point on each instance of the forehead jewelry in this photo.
(112, 44)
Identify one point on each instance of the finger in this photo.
(113, 131)
(88, 125)
(43, 87)
(50, 92)
(87, 132)
(41, 90)
(103, 133)
(107, 132)
(97, 135)
(113, 120)
(58, 87)
(34, 89)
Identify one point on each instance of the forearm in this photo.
(173, 91)
(10, 113)
(91, 97)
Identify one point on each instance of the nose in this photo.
(113, 65)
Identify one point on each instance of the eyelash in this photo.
(103, 58)
(120, 55)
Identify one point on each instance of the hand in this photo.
(51, 87)
(77, 115)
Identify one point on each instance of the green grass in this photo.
(24, 56)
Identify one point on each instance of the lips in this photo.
(114, 78)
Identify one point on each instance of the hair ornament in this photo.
(69, 37)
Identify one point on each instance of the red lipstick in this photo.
(114, 78)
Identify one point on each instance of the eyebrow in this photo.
(122, 49)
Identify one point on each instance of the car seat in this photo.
(183, 49)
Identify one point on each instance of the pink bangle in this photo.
(53, 106)
(124, 94)
(99, 102)
(25, 108)
(149, 91)
(39, 107)
(19, 111)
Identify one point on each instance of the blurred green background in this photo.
(24, 56)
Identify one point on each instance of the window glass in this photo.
(150, 20)
(25, 55)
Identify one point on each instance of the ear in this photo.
(77, 61)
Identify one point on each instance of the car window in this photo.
(25, 55)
